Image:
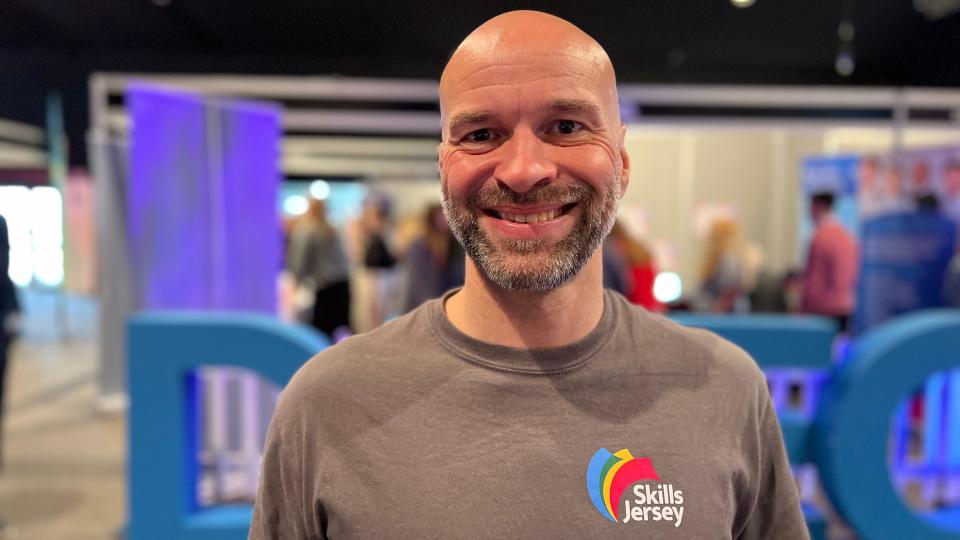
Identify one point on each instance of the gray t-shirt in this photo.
(416, 430)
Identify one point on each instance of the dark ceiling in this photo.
(50, 45)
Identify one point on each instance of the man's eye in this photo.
(568, 127)
(480, 135)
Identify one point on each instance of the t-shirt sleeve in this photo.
(776, 509)
(284, 507)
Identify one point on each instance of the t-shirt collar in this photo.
(544, 361)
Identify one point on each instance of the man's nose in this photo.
(524, 163)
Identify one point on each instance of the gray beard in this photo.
(563, 260)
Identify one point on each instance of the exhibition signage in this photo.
(905, 209)
(909, 207)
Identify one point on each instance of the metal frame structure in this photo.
(321, 111)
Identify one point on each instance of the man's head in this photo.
(921, 176)
(821, 204)
(952, 179)
(868, 176)
(894, 182)
(532, 163)
(317, 208)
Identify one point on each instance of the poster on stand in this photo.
(909, 210)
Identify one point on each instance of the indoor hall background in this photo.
(691, 148)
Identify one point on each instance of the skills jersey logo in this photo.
(609, 475)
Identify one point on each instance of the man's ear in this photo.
(624, 162)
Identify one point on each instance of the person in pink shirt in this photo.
(833, 263)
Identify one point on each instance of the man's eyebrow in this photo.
(576, 105)
(466, 118)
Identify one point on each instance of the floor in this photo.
(63, 475)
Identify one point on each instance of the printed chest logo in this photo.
(610, 474)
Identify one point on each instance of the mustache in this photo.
(552, 193)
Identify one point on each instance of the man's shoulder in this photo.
(675, 347)
(361, 362)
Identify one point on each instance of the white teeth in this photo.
(531, 218)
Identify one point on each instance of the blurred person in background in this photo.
(434, 261)
(9, 328)
(724, 271)
(9, 319)
(867, 177)
(616, 270)
(833, 264)
(318, 264)
(894, 183)
(951, 281)
(921, 177)
(376, 279)
(640, 268)
(951, 187)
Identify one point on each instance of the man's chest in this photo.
(565, 476)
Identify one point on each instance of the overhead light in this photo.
(667, 287)
(844, 64)
(295, 205)
(937, 9)
(742, 3)
(846, 32)
(319, 190)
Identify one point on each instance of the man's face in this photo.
(894, 185)
(868, 174)
(953, 181)
(921, 176)
(531, 166)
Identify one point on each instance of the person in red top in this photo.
(640, 268)
(833, 264)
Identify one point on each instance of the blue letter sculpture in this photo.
(889, 363)
(848, 441)
(165, 349)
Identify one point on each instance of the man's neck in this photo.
(529, 320)
(825, 218)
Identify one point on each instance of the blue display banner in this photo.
(904, 259)
(833, 174)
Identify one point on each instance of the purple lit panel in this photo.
(168, 199)
(202, 193)
(250, 153)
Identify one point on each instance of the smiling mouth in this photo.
(530, 218)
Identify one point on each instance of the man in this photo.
(833, 263)
(526, 403)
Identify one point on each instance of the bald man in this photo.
(530, 403)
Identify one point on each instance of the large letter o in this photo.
(853, 421)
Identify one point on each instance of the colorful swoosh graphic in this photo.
(610, 474)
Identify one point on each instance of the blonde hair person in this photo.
(723, 270)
